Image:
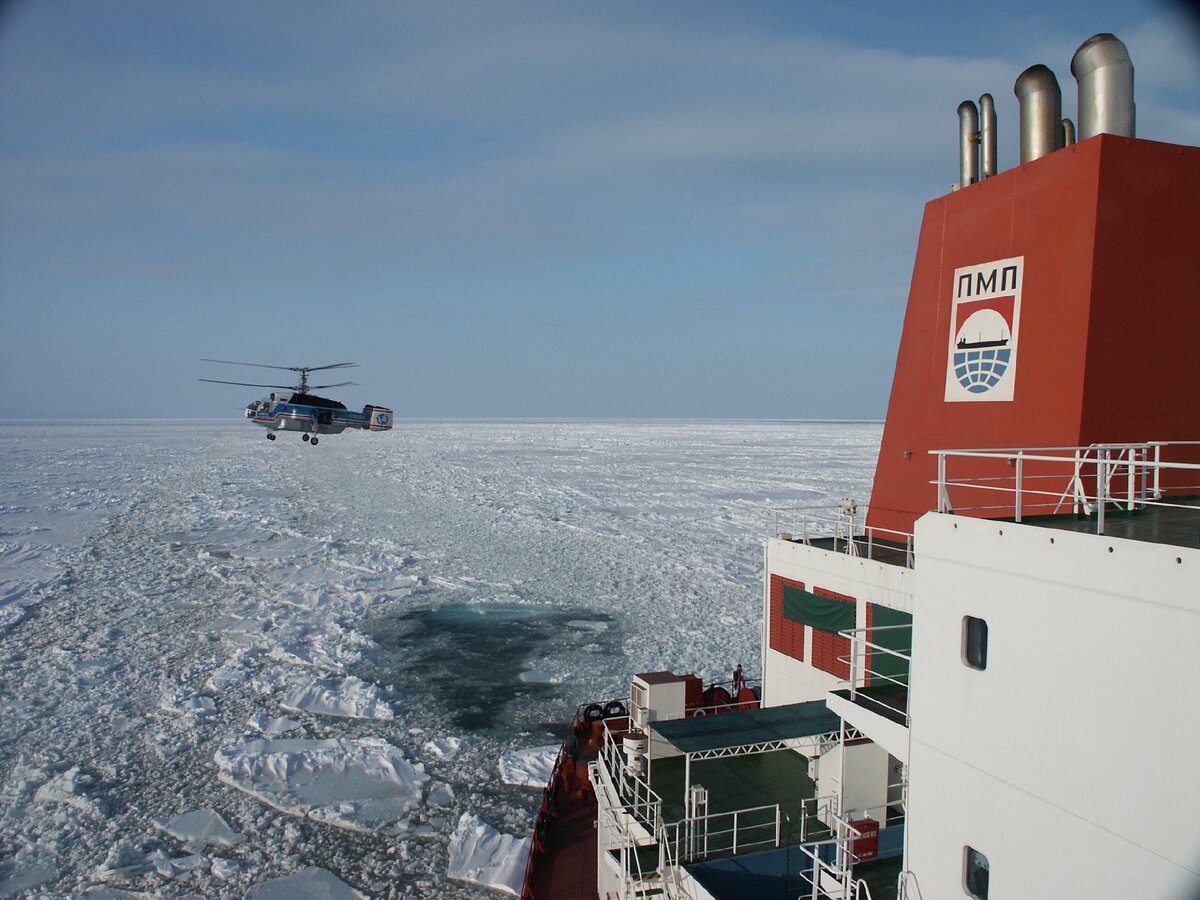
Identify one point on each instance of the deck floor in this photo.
(1178, 526)
(739, 782)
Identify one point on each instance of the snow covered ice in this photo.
(226, 663)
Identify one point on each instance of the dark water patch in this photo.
(468, 659)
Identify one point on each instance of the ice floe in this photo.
(71, 788)
(541, 676)
(362, 784)
(24, 874)
(351, 698)
(312, 883)
(444, 748)
(479, 853)
(200, 828)
(530, 768)
(272, 726)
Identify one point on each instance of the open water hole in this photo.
(470, 659)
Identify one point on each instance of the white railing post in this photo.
(1101, 487)
(1020, 482)
(943, 496)
(1157, 470)
(1132, 477)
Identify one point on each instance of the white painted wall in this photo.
(1071, 762)
(862, 792)
(786, 680)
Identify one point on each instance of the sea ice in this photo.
(530, 768)
(444, 748)
(313, 883)
(199, 828)
(18, 877)
(362, 784)
(352, 698)
(70, 787)
(481, 854)
(167, 560)
(272, 726)
(181, 704)
(541, 676)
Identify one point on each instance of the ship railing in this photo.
(723, 834)
(825, 870)
(819, 810)
(830, 866)
(843, 528)
(615, 832)
(637, 797)
(1087, 480)
(907, 886)
(873, 664)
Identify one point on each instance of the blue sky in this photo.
(555, 209)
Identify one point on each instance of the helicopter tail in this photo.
(379, 418)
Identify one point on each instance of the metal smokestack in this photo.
(968, 144)
(1068, 132)
(1102, 67)
(1041, 112)
(987, 136)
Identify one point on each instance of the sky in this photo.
(500, 209)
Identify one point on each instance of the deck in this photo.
(1177, 525)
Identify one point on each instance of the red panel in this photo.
(827, 647)
(1108, 324)
(784, 635)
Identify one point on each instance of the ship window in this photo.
(975, 639)
(975, 873)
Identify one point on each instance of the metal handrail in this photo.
(697, 825)
(841, 524)
(859, 671)
(1127, 475)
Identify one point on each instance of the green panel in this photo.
(899, 640)
(825, 613)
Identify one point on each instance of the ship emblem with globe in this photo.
(981, 351)
(981, 359)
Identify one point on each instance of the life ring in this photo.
(614, 708)
(593, 713)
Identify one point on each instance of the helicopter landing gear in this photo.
(313, 441)
(270, 437)
(304, 437)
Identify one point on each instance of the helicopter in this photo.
(295, 409)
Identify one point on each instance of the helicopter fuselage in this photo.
(291, 411)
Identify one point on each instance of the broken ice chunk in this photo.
(530, 767)
(313, 883)
(200, 827)
(362, 784)
(481, 854)
(350, 698)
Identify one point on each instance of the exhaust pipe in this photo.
(968, 144)
(987, 136)
(1041, 112)
(1102, 67)
(1068, 132)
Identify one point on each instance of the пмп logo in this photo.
(981, 362)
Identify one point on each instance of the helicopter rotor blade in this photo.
(319, 368)
(321, 387)
(231, 362)
(286, 387)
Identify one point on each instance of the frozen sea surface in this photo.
(226, 662)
